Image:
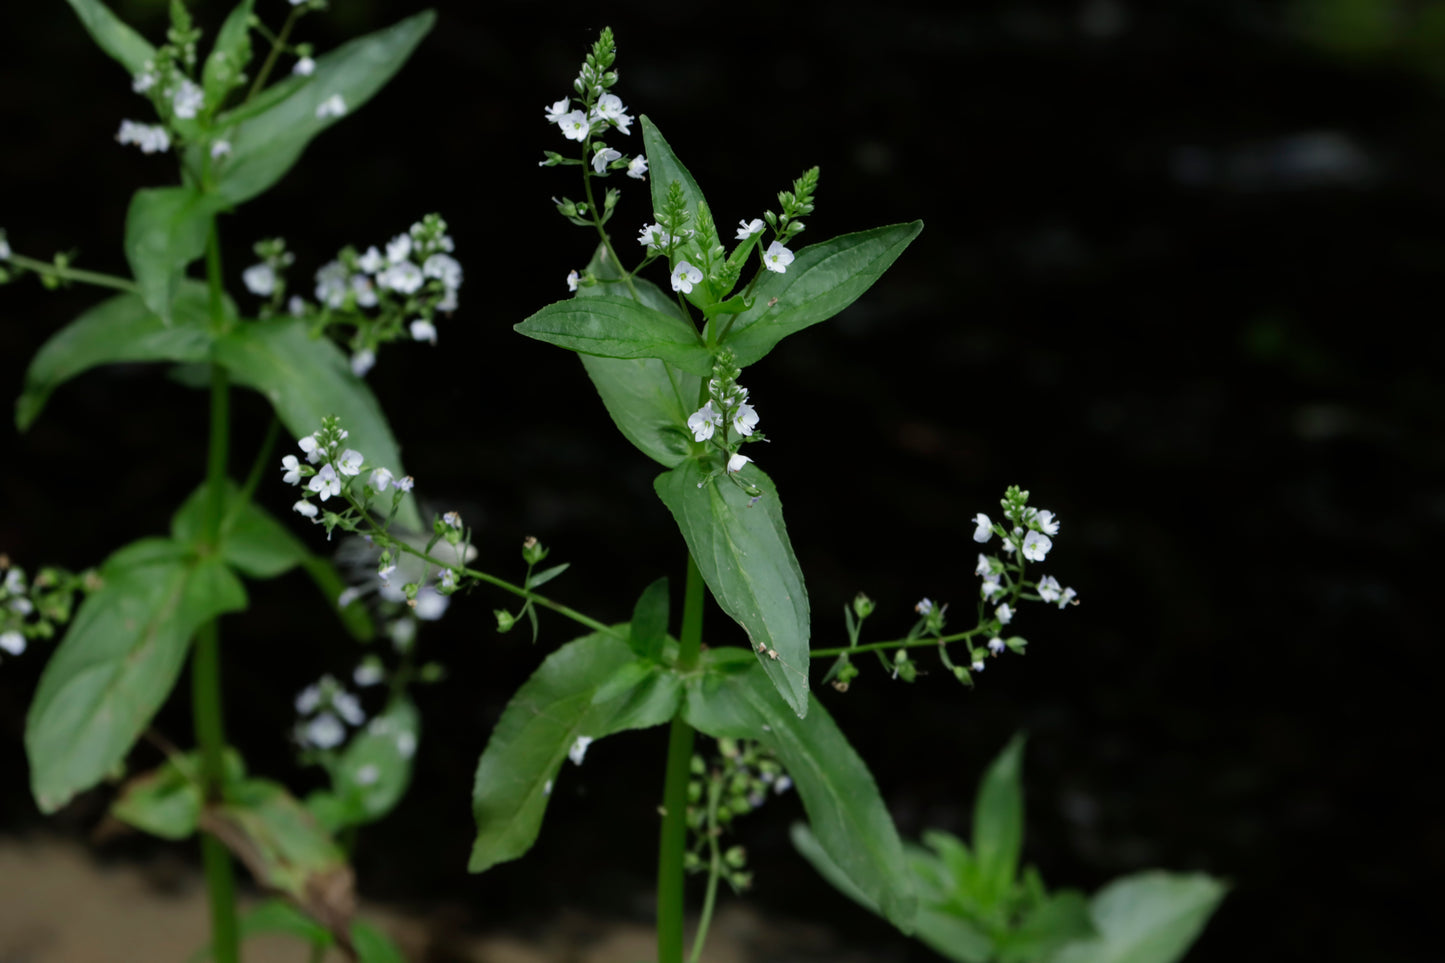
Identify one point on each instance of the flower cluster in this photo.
(726, 419)
(382, 294)
(35, 608)
(739, 780)
(326, 708)
(339, 467)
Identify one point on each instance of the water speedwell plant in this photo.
(669, 364)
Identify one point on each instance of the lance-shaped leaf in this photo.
(252, 541)
(841, 799)
(663, 167)
(542, 723)
(1150, 917)
(118, 663)
(822, 280)
(306, 379)
(268, 134)
(617, 327)
(229, 55)
(742, 550)
(998, 826)
(165, 230)
(121, 328)
(113, 35)
(649, 400)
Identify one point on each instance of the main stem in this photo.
(673, 846)
(206, 659)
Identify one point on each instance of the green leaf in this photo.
(543, 720)
(374, 771)
(269, 134)
(822, 280)
(742, 550)
(372, 946)
(839, 795)
(166, 801)
(165, 230)
(1151, 917)
(121, 328)
(663, 168)
(616, 327)
(118, 663)
(307, 378)
(114, 36)
(252, 541)
(998, 826)
(1061, 918)
(229, 55)
(648, 631)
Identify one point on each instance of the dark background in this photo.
(1178, 278)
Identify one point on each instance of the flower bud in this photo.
(862, 606)
(505, 620)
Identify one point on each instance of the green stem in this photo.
(74, 274)
(897, 644)
(714, 870)
(597, 219)
(673, 844)
(277, 45)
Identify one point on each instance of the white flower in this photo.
(398, 249)
(1036, 546)
(557, 111)
(572, 280)
(325, 483)
(747, 229)
(146, 79)
(684, 276)
(220, 148)
(924, 606)
(430, 604)
(996, 645)
(745, 420)
(445, 268)
(12, 642)
(308, 700)
(449, 579)
(21, 605)
(4, 247)
(703, 422)
(574, 126)
(422, 331)
(292, 467)
(453, 519)
(380, 479)
(984, 530)
(736, 463)
(637, 167)
(777, 258)
(978, 666)
(260, 280)
(345, 703)
(1067, 597)
(984, 566)
(304, 67)
(403, 276)
(304, 507)
(1046, 522)
(332, 282)
(333, 106)
(362, 362)
(323, 732)
(405, 483)
(385, 573)
(991, 586)
(367, 775)
(15, 581)
(350, 462)
(364, 290)
(187, 99)
(406, 744)
(296, 306)
(609, 108)
(151, 139)
(1004, 613)
(782, 785)
(448, 303)
(1049, 589)
(367, 674)
(579, 749)
(312, 448)
(654, 236)
(603, 157)
(372, 261)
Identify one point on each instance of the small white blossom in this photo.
(220, 148)
(703, 422)
(991, 586)
(12, 642)
(572, 280)
(984, 566)
(423, 331)
(684, 276)
(430, 604)
(745, 420)
(333, 106)
(1046, 522)
(312, 448)
(146, 79)
(304, 67)
(609, 108)
(782, 785)
(402, 276)
(308, 700)
(260, 280)
(579, 749)
(453, 519)
(364, 290)
(292, 467)
(1004, 613)
(1036, 546)
(372, 261)
(448, 303)
(380, 479)
(367, 775)
(996, 645)
(557, 111)
(325, 483)
(187, 100)
(603, 157)
(924, 606)
(1049, 589)
(350, 709)
(978, 666)
(324, 732)
(385, 572)
(654, 236)
(4, 247)
(777, 258)
(332, 283)
(445, 268)
(296, 306)
(406, 744)
(15, 581)
(449, 579)
(574, 126)
(350, 462)
(984, 530)
(1067, 597)
(21, 605)
(362, 362)
(405, 483)
(637, 167)
(304, 507)
(747, 229)
(347, 597)
(151, 139)
(736, 463)
(368, 674)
